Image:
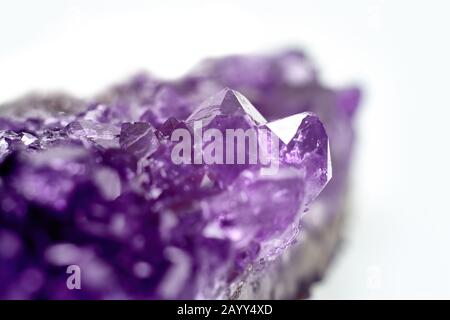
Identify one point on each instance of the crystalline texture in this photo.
(93, 183)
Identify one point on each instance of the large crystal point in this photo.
(227, 103)
(267, 207)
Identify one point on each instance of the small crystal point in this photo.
(309, 150)
(138, 138)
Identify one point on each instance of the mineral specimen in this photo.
(94, 184)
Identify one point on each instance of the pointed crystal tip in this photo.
(227, 102)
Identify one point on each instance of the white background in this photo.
(397, 241)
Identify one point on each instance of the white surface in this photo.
(398, 50)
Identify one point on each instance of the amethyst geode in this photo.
(93, 184)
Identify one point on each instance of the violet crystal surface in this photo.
(92, 183)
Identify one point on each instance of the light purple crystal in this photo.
(93, 183)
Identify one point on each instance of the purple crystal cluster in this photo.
(92, 183)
